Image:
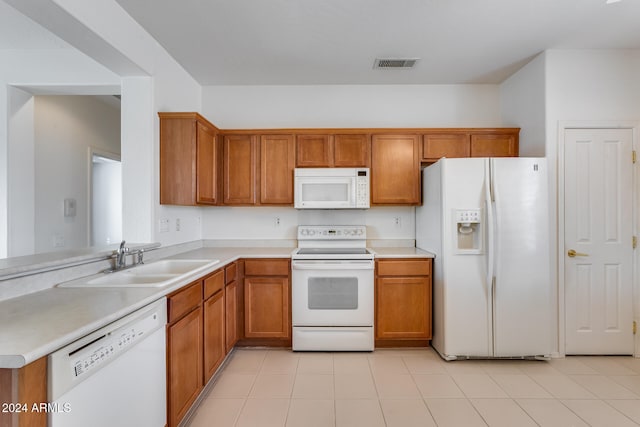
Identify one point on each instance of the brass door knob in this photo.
(572, 253)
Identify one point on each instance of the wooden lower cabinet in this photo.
(403, 300)
(184, 364)
(28, 386)
(215, 348)
(266, 305)
(231, 315)
(267, 296)
(196, 340)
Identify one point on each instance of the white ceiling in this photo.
(250, 42)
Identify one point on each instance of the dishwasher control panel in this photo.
(80, 359)
(110, 346)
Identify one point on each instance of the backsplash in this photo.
(230, 223)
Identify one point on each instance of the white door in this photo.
(598, 229)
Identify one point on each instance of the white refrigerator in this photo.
(487, 222)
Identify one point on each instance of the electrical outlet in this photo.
(276, 222)
(397, 222)
(178, 225)
(164, 225)
(57, 241)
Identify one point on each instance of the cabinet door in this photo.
(239, 169)
(351, 151)
(276, 169)
(313, 151)
(184, 364)
(206, 161)
(436, 146)
(266, 302)
(395, 169)
(403, 308)
(231, 315)
(177, 154)
(214, 330)
(494, 145)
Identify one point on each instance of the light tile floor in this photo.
(274, 387)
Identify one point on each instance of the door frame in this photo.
(634, 126)
(91, 152)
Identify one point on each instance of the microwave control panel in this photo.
(362, 189)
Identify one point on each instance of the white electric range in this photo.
(332, 289)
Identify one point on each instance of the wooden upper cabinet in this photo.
(327, 151)
(239, 169)
(314, 151)
(189, 173)
(276, 169)
(395, 169)
(351, 151)
(471, 142)
(494, 145)
(206, 166)
(436, 146)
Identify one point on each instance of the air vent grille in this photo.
(395, 63)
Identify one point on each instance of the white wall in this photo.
(593, 87)
(245, 107)
(396, 106)
(128, 57)
(66, 128)
(160, 85)
(50, 68)
(523, 105)
(260, 222)
(20, 174)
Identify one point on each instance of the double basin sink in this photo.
(154, 275)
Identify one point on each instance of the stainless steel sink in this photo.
(155, 275)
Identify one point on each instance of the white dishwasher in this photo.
(115, 376)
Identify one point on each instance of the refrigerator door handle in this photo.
(490, 231)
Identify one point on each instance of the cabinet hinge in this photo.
(634, 242)
(634, 327)
(633, 156)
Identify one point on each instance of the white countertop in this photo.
(400, 252)
(37, 324)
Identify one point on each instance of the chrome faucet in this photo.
(121, 253)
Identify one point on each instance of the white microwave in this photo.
(331, 188)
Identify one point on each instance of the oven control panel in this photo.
(325, 232)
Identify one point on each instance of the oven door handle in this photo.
(332, 265)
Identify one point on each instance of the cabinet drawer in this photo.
(404, 267)
(266, 267)
(184, 301)
(213, 283)
(230, 273)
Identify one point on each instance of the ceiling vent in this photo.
(395, 62)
